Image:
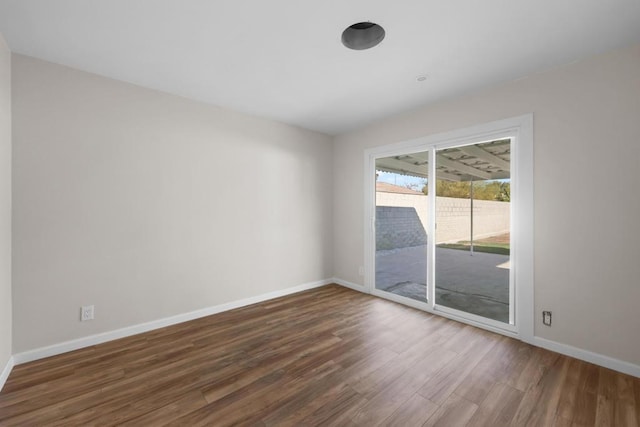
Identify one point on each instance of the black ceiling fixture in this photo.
(363, 35)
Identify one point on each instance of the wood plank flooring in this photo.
(329, 356)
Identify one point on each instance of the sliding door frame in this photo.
(520, 131)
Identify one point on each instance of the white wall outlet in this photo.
(86, 313)
(546, 318)
(361, 271)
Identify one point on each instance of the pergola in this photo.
(479, 162)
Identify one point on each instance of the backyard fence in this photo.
(401, 219)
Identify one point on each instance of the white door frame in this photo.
(520, 130)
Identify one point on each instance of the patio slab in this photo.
(477, 284)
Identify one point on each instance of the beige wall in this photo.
(587, 147)
(149, 205)
(5, 204)
(144, 203)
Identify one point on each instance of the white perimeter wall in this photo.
(149, 205)
(490, 218)
(587, 148)
(5, 205)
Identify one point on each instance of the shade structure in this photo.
(478, 162)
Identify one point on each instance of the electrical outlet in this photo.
(361, 271)
(546, 318)
(86, 313)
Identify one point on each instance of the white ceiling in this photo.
(283, 59)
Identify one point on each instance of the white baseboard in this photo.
(52, 350)
(6, 371)
(588, 356)
(567, 350)
(350, 285)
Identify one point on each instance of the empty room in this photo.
(285, 213)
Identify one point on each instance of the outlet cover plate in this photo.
(546, 318)
(86, 313)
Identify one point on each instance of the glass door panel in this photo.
(473, 239)
(401, 224)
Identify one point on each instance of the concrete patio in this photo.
(477, 284)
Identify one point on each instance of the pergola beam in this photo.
(393, 165)
(448, 176)
(400, 166)
(481, 154)
(462, 168)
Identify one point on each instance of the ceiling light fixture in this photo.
(363, 35)
(422, 77)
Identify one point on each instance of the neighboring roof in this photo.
(385, 187)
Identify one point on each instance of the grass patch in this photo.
(491, 248)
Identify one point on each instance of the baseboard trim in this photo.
(350, 285)
(64, 347)
(588, 356)
(567, 350)
(6, 371)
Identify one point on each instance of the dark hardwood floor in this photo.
(329, 356)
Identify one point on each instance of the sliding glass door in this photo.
(442, 229)
(473, 234)
(401, 222)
